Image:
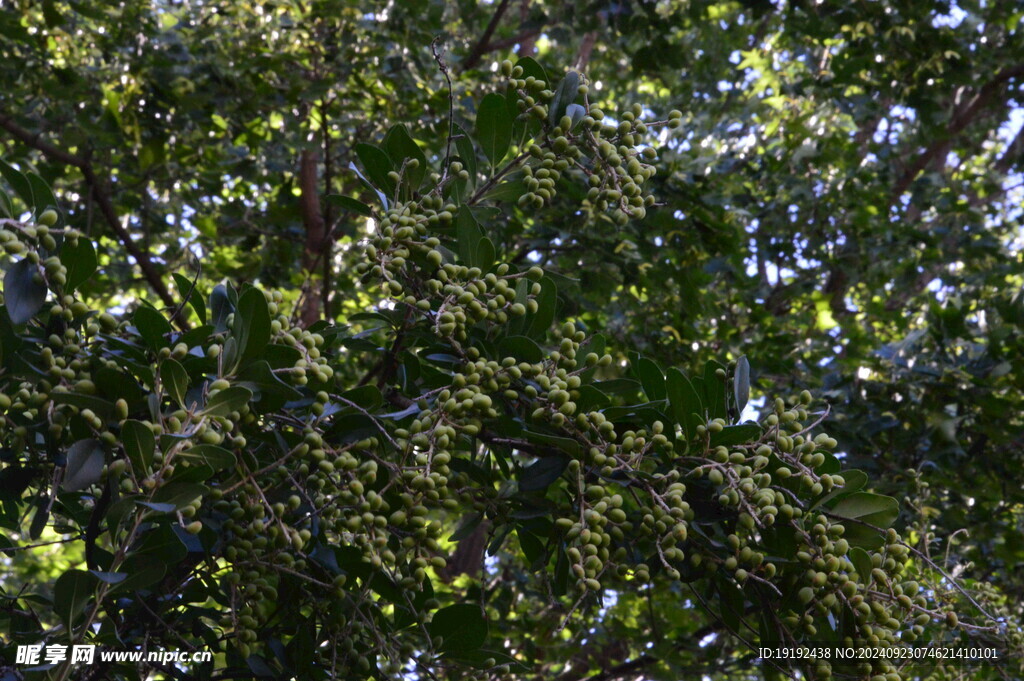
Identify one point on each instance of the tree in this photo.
(502, 375)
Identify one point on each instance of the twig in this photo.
(439, 58)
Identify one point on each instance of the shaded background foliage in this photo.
(841, 205)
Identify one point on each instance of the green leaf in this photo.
(24, 291)
(462, 626)
(369, 185)
(72, 591)
(19, 183)
(260, 378)
(139, 446)
(84, 466)
(684, 401)
(152, 326)
(366, 396)
(467, 154)
(473, 248)
(158, 507)
(567, 445)
(401, 147)
(251, 326)
(522, 348)
(103, 408)
(714, 390)
(213, 456)
(108, 577)
(377, 166)
(6, 207)
(532, 68)
(220, 308)
(651, 379)
(186, 288)
(140, 579)
(348, 203)
(875, 509)
(494, 127)
(542, 473)
(546, 302)
(855, 481)
(228, 400)
(735, 435)
(862, 561)
(79, 260)
(564, 96)
(741, 384)
(42, 194)
(180, 494)
(576, 113)
(175, 380)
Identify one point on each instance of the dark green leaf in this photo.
(546, 302)
(494, 128)
(542, 473)
(734, 435)
(213, 456)
(152, 326)
(251, 327)
(42, 194)
(876, 510)
(84, 466)
(220, 308)
(684, 401)
(80, 262)
(6, 207)
(140, 579)
(401, 148)
(72, 591)
(186, 288)
(522, 348)
(462, 626)
(175, 380)
(348, 203)
(377, 166)
(855, 481)
(651, 379)
(862, 561)
(24, 291)
(228, 400)
(19, 183)
(139, 446)
(567, 445)
(741, 384)
(564, 96)
(159, 507)
(467, 154)
(108, 577)
(714, 390)
(532, 68)
(180, 494)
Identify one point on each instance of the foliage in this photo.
(551, 375)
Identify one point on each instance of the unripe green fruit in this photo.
(48, 218)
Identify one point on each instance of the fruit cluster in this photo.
(611, 153)
(324, 497)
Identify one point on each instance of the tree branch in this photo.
(313, 222)
(102, 199)
(957, 123)
(481, 47)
